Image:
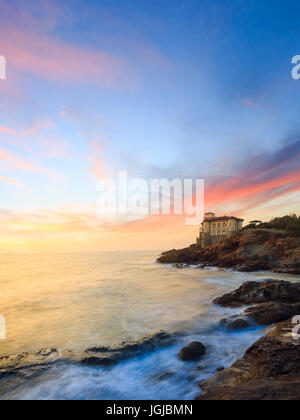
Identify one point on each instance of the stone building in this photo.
(214, 229)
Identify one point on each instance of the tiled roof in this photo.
(218, 219)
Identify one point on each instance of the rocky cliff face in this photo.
(247, 251)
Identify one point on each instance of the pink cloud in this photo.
(10, 161)
(43, 56)
(13, 182)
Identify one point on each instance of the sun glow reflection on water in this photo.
(74, 301)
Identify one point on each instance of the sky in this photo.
(178, 89)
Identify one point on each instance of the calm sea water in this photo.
(74, 301)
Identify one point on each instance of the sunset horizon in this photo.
(149, 202)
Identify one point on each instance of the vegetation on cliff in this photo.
(250, 250)
(289, 224)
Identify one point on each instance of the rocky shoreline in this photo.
(25, 365)
(270, 368)
(250, 250)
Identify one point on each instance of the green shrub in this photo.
(291, 224)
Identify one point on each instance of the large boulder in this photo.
(192, 352)
(253, 292)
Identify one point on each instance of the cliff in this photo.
(250, 250)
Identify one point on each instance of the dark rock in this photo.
(272, 312)
(181, 265)
(192, 352)
(235, 323)
(269, 370)
(248, 251)
(165, 375)
(262, 314)
(287, 270)
(259, 292)
(200, 266)
(32, 364)
(260, 390)
(111, 355)
(220, 369)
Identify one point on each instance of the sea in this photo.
(73, 301)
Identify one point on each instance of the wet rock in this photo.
(111, 355)
(31, 364)
(165, 375)
(235, 323)
(200, 266)
(250, 266)
(262, 314)
(260, 292)
(220, 369)
(181, 265)
(192, 352)
(260, 390)
(272, 312)
(269, 370)
(28, 364)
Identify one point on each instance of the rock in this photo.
(247, 251)
(287, 270)
(234, 323)
(165, 375)
(220, 369)
(259, 292)
(262, 314)
(272, 312)
(261, 390)
(181, 265)
(200, 266)
(192, 352)
(253, 266)
(109, 356)
(32, 364)
(269, 370)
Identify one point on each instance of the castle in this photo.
(214, 229)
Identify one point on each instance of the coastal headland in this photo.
(247, 251)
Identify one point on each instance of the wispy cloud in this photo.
(13, 182)
(11, 161)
